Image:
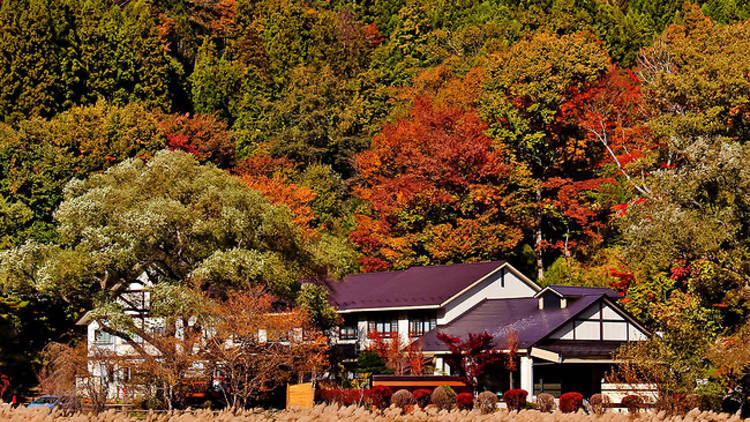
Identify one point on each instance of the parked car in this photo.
(65, 403)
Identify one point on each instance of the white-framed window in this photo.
(421, 326)
(348, 332)
(102, 337)
(386, 327)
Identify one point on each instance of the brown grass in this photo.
(356, 414)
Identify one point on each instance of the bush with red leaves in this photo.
(571, 402)
(343, 397)
(422, 397)
(379, 396)
(632, 402)
(515, 399)
(465, 401)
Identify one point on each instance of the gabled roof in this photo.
(500, 316)
(417, 287)
(576, 291)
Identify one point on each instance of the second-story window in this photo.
(348, 332)
(386, 327)
(421, 326)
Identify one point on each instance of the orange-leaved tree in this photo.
(272, 177)
(202, 135)
(401, 357)
(439, 191)
(259, 345)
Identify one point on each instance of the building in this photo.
(566, 335)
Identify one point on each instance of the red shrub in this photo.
(515, 399)
(632, 402)
(422, 397)
(465, 401)
(379, 396)
(343, 397)
(570, 402)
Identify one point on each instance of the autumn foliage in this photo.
(399, 356)
(205, 136)
(515, 398)
(439, 191)
(472, 356)
(570, 402)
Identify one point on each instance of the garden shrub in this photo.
(515, 399)
(711, 402)
(632, 402)
(487, 402)
(546, 402)
(342, 397)
(465, 401)
(571, 402)
(422, 397)
(694, 401)
(379, 396)
(444, 398)
(673, 404)
(402, 398)
(597, 402)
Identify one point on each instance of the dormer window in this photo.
(549, 298)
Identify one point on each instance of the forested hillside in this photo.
(588, 142)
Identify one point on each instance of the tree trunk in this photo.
(538, 235)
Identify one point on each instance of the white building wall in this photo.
(493, 287)
(588, 326)
(403, 327)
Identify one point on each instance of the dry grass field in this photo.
(351, 414)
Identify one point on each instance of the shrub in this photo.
(711, 402)
(570, 402)
(632, 402)
(342, 397)
(515, 399)
(546, 402)
(673, 404)
(465, 401)
(402, 398)
(422, 397)
(694, 401)
(597, 402)
(444, 398)
(486, 402)
(379, 396)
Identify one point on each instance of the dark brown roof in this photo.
(416, 287)
(499, 316)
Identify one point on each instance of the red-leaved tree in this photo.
(469, 358)
(202, 135)
(439, 191)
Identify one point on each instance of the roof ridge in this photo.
(495, 261)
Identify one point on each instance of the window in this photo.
(348, 333)
(103, 337)
(421, 326)
(135, 300)
(386, 328)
